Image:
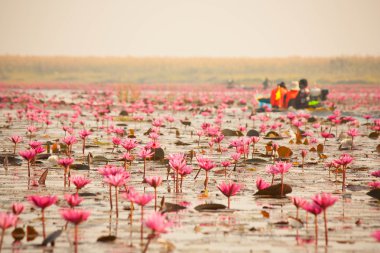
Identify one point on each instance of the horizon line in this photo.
(188, 57)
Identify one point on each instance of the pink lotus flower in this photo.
(76, 217)
(69, 141)
(43, 202)
(376, 173)
(143, 199)
(282, 168)
(154, 181)
(324, 200)
(207, 165)
(314, 209)
(116, 181)
(326, 136)
(15, 139)
(73, 200)
(376, 235)
(83, 135)
(127, 157)
(17, 208)
(344, 160)
(261, 184)
(29, 156)
(177, 162)
(116, 142)
(31, 129)
(254, 140)
(66, 162)
(353, 132)
(157, 223)
(6, 221)
(229, 189)
(145, 154)
(129, 144)
(298, 203)
(34, 144)
(80, 182)
(225, 164)
(374, 185)
(110, 170)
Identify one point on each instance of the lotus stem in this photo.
(43, 223)
(2, 238)
(28, 168)
(155, 198)
(326, 231)
(110, 191)
(76, 238)
(282, 184)
(316, 229)
(117, 204)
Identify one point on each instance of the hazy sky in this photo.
(190, 27)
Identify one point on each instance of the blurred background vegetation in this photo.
(245, 71)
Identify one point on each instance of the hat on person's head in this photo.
(294, 85)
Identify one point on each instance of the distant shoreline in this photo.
(187, 70)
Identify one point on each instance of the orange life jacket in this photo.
(292, 94)
(277, 97)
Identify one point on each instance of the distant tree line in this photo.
(148, 70)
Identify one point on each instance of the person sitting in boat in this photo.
(277, 96)
(290, 97)
(303, 96)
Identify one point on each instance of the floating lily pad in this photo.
(229, 132)
(106, 238)
(274, 191)
(31, 233)
(123, 113)
(170, 207)
(159, 154)
(209, 207)
(99, 159)
(181, 143)
(284, 152)
(256, 160)
(12, 159)
(79, 166)
(253, 132)
(374, 193)
(43, 156)
(18, 234)
(373, 135)
(186, 122)
(272, 135)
